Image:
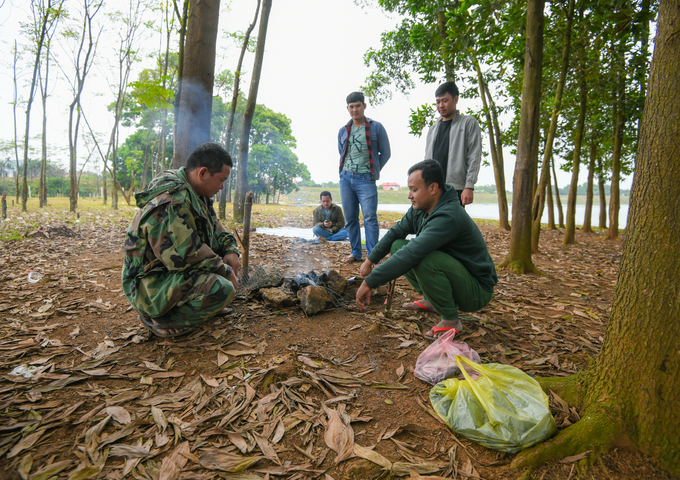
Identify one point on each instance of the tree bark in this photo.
(15, 102)
(182, 18)
(198, 77)
(539, 197)
(587, 219)
(500, 187)
(558, 201)
(630, 396)
(551, 207)
(232, 111)
(244, 142)
(570, 231)
(519, 255)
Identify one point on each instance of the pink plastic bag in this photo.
(438, 361)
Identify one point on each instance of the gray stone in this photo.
(273, 297)
(336, 282)
(314, 299)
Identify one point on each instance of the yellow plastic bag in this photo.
(504, 409)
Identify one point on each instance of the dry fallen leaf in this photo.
(339, 436)
(119, 414)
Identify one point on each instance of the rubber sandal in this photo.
(350, 259)
(420, 306)
(154, 328)
(436, 329)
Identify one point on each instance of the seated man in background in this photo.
(180, 263)
(329, 222)
(447, 262)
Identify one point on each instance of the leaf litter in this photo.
(265, 392)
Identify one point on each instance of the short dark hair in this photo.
(355, 97)
(325, 193)
(210, 155)
(446, 87)
(431, 172)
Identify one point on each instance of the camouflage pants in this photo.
(181, 299)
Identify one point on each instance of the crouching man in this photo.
(180, 263)
(329, 222)
(447, 262)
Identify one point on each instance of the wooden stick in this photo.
(390, 294)
(246, 228)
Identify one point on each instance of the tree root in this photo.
(596, 431)
(520, 267)
(570, 388)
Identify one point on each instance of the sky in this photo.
(313, 59)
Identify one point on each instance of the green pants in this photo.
(446, 284)
(181, 299)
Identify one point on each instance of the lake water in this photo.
(488, 211)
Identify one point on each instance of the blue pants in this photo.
(358, 189)
(331, 237)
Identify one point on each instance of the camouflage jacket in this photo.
(175, 230)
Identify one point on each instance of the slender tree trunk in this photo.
(570, 232)
(15, 103)
(104, 190)
(232, 109)
(587, 219)
(499, 175)
(503, 221)
(613, 233)
(635, 403)
(42, 194)
(551, 207)
(539, 197)
(558, 201)
(449, 64)
(244, 142)
(518, 258)
(602, 195)
(44, 17)
(183, 18)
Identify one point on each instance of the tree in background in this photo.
(82, 58)
(630, 395)
(242, 180)
(197, 79)
(518, 258)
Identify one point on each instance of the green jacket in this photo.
(448, 229)
(335, 215)
(174, 237)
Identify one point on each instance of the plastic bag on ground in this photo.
(438, 361)
(503, 409)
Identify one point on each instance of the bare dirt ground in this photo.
(257, 393)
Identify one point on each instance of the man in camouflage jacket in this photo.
(180, 263)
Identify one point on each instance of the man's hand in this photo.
(327, 224)
(467, 196)
(366, 268)
(232, 278)
(364, 295)
(233, 261)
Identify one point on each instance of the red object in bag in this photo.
(438, 361)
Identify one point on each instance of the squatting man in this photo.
(447, 262)
(181, 265)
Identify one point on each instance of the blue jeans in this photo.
(331, 237)
(358, 189)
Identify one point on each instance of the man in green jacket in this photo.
(447, 262)
(180, 263)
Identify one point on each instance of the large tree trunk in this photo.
(613, 233)
(630, 396)
(588, 217)
(570, 232)
(519, 255)
(198, 77)
(539, 196)
(244, 142)
(495, 146)
(232, 112)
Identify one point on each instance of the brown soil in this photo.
(76, 326)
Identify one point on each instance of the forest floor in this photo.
(261, 390)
